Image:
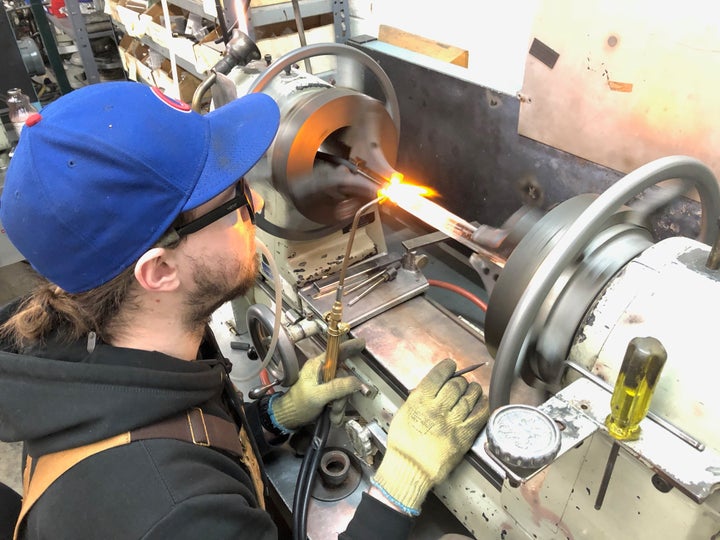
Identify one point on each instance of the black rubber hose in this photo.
(308, 472)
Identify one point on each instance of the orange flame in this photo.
(397, 191)
(413, 199)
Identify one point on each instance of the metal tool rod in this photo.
(387, 275)
(367, 291)
(301, 31)
(365, 282)
(468, 369)
(609, 466)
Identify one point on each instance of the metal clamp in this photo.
(206, 442)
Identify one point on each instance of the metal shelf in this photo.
(179, 60)
(264, 15)
(198, 8)
(65, 25)
(75, 26)
(258, 16)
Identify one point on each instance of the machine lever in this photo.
(260, 391)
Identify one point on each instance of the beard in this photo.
(216, 284)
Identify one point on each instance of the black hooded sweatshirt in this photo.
(61, 396)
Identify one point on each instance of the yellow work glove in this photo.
(429, 435)
(306, 399)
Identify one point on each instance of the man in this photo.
(134, 210)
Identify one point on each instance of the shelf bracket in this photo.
(82, 41)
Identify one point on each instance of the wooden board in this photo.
(422, 45)
(631, 81)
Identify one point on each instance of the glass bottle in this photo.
(19, 108)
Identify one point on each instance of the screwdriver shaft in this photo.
(609, 466)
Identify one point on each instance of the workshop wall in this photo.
(638, 78)
(495, 34)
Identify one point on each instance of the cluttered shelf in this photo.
(96, 25)
(173, 44)
(172, 56)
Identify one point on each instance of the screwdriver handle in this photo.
(636, 382)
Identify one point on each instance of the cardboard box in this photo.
(111, 9)
(136, 62)
(125, 43)
(186, 82)
(128, 14)
(207, 52)
(155, 29)
(155, 23)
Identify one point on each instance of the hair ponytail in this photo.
(49, 310)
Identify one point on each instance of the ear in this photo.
(156, 272)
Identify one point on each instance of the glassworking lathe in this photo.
(590, 323)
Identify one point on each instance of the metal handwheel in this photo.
(284, 364)
(510, 353)
(334, 49)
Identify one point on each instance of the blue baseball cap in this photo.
(103, 172)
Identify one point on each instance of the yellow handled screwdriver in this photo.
(630, 402)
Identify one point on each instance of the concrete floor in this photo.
(15, 280)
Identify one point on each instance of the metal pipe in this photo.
(348, 248)
(201, 90)
(301, 31)
(713, 260)
(336, 327)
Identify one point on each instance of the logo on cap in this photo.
(174, 103)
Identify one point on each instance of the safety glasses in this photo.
(243, 197)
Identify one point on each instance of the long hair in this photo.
(50, 311)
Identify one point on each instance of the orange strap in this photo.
(192, 426)
(50, 467)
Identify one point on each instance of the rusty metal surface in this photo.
(409, 339)
(462, 139)
(695, 473)
(610, 98)
(662, 293)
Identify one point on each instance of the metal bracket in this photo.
(341, 21)
(82, 41)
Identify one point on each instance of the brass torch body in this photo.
(334, 331)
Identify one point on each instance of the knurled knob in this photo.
(523, 436)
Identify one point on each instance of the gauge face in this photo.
(283, 365)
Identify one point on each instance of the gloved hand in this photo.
(308, 396)
(429, 435)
